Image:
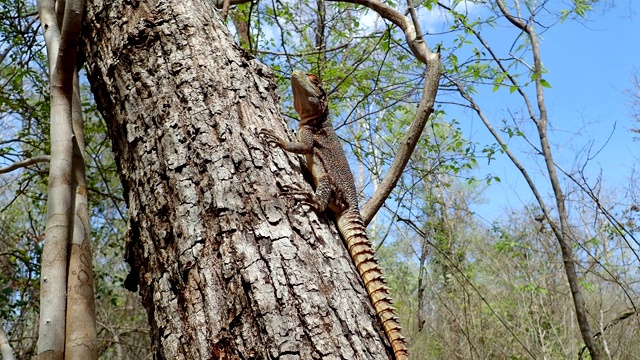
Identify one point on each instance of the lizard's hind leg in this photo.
(318, 200)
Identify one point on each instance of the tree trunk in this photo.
(226, 268)
(64, 276)
(5, 348)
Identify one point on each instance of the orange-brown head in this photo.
(309, 98)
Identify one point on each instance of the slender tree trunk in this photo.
(66, 290)
(226, 268)
(5, 348)
(61, 41)
(81, 337)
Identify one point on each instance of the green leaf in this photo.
(544, 83)
(589, 287)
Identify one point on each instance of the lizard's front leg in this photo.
(305, 146)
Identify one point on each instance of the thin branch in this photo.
(466, 279)
(565, 228)
(25, 163)
(417, 44)
(516, 22)
(220, 3)
(414, 19)
(425, 109)
(312, 52)
(432, 77)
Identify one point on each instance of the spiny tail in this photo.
(353, 231)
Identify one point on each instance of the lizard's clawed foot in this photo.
(307, 196)
(295, 189)
(270, 135)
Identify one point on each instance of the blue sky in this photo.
(590, 65)
(590, 62)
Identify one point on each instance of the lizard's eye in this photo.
(314, 79)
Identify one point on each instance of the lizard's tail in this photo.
(355, 235)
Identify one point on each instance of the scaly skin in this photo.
(336, 190)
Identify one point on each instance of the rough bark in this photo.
(226, 268)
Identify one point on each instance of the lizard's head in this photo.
(309, 98)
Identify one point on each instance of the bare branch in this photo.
(425, 109)
(564, 235)
(48, 19)
(516, 22)
(414, 18)
(414, 39)
(62, 44)
(308, 53)
(25, 163)
(225, 10)
(634, 98)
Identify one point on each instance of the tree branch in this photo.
(425, 108)
(25, 163)
(516, 22)
(416, 42)
(62, 42)
(564, 235)
(48, 19)
(5, 346)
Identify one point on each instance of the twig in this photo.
(25, 163)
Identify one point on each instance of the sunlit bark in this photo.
(65, 263)
(226, 267)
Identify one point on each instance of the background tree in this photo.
(24, 110)
(634, 96)
(66, 263)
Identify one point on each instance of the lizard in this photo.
(336, 190)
